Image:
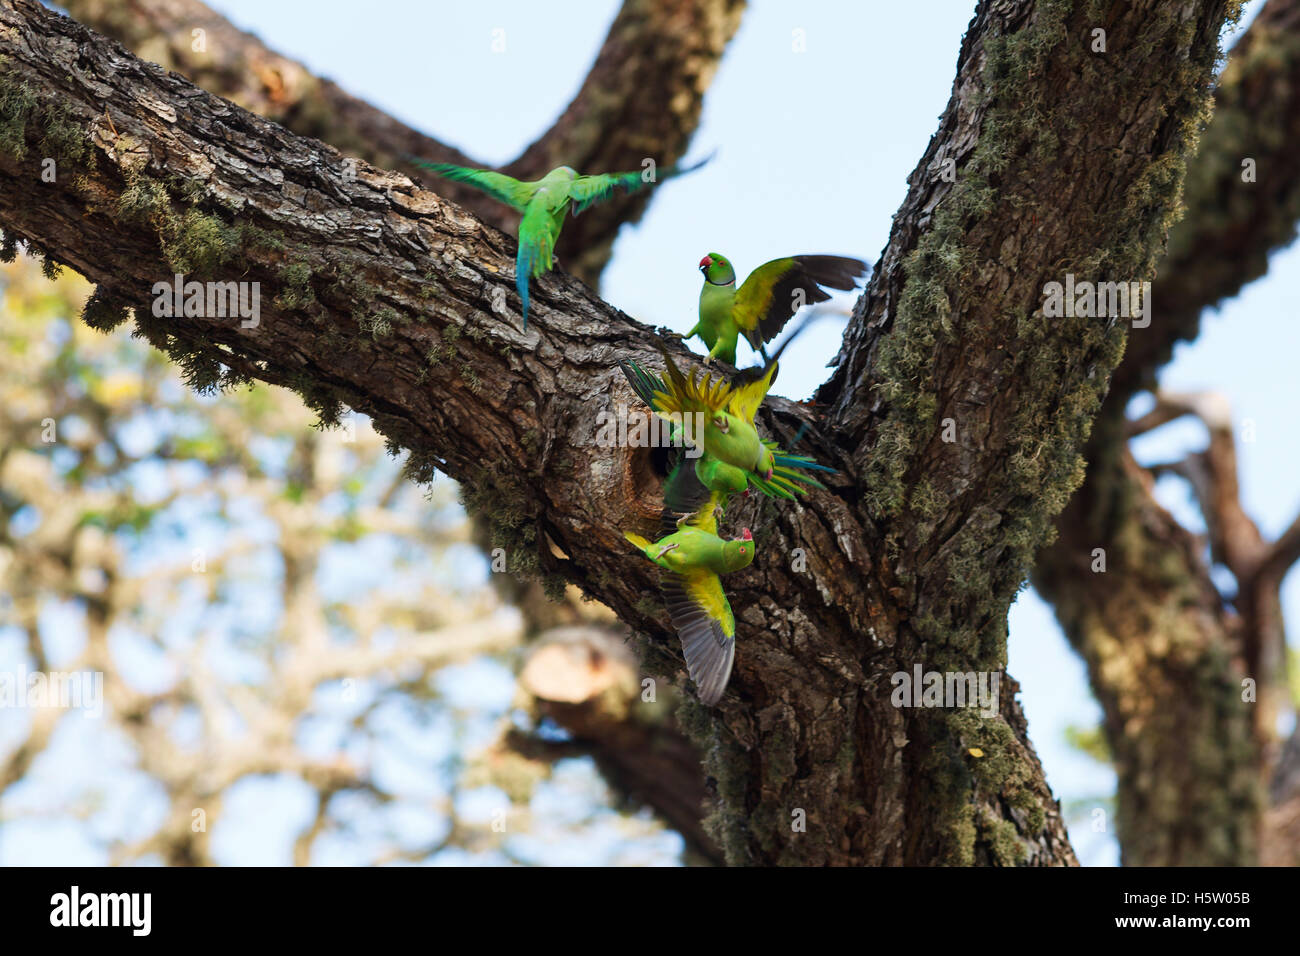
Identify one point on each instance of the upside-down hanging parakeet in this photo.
(699, 409)
(544, 203)
(692, 557)
(762, 306)
(775, 472)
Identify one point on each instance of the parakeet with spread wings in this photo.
(544, 204)
(762, 306)
(692, 557)
(776, 473)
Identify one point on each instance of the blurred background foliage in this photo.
(303, 658)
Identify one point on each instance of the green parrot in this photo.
(774, 471)
(544, 203)
(762, 306)
(727, 436)
(692, 556)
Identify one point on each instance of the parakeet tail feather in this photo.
(709, 651)
(523, 266)
(637, 541)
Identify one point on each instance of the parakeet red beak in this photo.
(706, 262)
(746, 492)
(745, 535)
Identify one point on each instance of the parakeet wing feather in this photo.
(704, 622)
(775, 291)
(644, 383)
(748, 389)
(499, 186)
(685, 494)
(586, 191)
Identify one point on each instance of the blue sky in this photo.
(814, 151)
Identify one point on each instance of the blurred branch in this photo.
(82, 390)
(586, 680)
(1170, 636)
(1281, 555)
(1242, 194)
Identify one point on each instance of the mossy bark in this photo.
(1065, 163)
(641, 99)
(1237, 212)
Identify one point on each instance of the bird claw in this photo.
(665, 549)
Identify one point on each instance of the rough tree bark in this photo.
(642, 98)
(379, 295)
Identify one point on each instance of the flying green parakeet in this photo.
(773, 471)
(762, 306)
(692, 556)
(544, 203)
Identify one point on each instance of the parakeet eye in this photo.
(742, 549)
(721, 424)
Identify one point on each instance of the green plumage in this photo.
(690, 553)
(768, 468)
(544, 203)
(762, 306)
(693, 557)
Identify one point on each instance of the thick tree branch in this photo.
(950, 337)
(641, 99)
(1165, 662)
